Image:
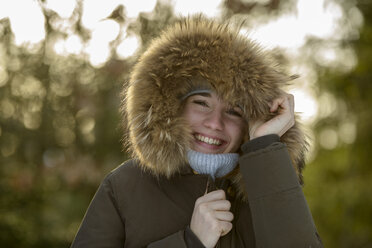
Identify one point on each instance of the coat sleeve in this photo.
(184, 238)
(280, 214)
(102, 225)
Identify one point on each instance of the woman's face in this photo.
(216, 126)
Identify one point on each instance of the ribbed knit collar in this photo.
(215, 165)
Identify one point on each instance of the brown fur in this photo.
(192, 49)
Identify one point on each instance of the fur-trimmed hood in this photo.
(197, 50)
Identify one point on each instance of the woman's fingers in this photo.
(211, 217)
(280, 123)
(219, 205)
(285, 102)
(212, 196)
(276, 103)
(225, 227)
(224, 215)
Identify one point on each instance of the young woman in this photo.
(217, 152)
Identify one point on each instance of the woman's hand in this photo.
(278, 124)
(211, 218)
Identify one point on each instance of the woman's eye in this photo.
(200, 102)
(234, 112)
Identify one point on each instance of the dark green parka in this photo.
(149, 200)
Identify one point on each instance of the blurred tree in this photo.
(59, 135)
(340, 179)
(59, 127)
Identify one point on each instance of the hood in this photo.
(193, 52)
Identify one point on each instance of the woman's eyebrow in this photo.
(205, 94)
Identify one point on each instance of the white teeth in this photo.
(208, 140)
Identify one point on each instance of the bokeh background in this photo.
(63, 64)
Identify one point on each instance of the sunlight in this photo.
(208, 7)
(284, 32)
(73, 44)
(133, 8)
(305, 104)
(105, 31)
(98, 49)
(318, 17)
(128, 47)
(313, 18)
(29, 30)
(98, 53)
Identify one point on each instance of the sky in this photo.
(315, 18)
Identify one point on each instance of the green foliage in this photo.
(339, 180)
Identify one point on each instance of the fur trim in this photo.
(192, 51)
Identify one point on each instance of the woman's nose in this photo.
(214, 120)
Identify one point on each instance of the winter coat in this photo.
(149, 201)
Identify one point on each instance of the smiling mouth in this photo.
(208, 140)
